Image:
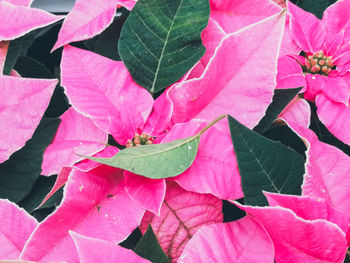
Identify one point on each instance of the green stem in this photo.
(209, 125)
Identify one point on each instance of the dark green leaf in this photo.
(149, 248)
(280, 100)
(11, 58)
(40, 189)
(265, 165)
(19, 173)
(161, 40)
(316, 7)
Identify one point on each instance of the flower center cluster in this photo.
(318, 63)
(140, 138)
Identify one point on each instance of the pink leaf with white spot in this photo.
(336, 18)
(95, 205)
(241, 241)
(103, 90)
(22, 105)
(92, 250)
(21, 20)
(297, 240)
(181, 215)
(75, 134)
(15, 228)
(225, 86)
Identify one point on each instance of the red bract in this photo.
(324, 68)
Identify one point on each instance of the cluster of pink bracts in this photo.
(253, 47)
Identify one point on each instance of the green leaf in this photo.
(157, 161)
(265, 165)
(161, 40)
(149, 248)
(11, 58)
(317, 7)
(280, 100)
(19, 173)
(39, 191)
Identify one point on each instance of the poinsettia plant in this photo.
(175, 131)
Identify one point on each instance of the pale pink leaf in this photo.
(327, 172)
(181, 215)
(241, 241)
(212, 36)
(92, 250)
(309, 208)
(85, 20)
(236, 14)
(95, 205)
(21, 20)
(290, 74)
(336, 18)
(306, 29)
(335, 116)
(297, 111)
(26, 3)
(22, 105)
(149, 193)
(215, 159)
(87, 164)
(103, 90)
(15, 228)
(297, 240)
(159, 119)
(75, 134)
(225, 86)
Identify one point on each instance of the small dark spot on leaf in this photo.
(98, 208)
(109, 196)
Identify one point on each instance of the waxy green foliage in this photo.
(161, 40)
(149, 248)
(280, 100)
(265, 165)
(158, 161)
(18, 174)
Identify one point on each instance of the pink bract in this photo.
(92, 250)
(15, 228)
(298, 240)
(22, 19)
(87, 19)
(22, 105)
(325, 65)
(68, 141)
(181, 215)
(95, 205)
(241, 241)
(123, 109)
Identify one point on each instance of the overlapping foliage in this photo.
(168, 131)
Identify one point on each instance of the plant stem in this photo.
(210, 124)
